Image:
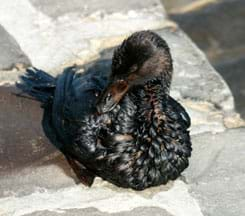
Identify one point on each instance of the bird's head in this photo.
(142, 57)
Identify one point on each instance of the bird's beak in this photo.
(111, 96)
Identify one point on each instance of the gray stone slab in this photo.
(216, 173)
(22, 141)
(94, 212)
(175, 5)
(173, 198)
(58, 8)
(75, 34)
(50, 173)
(217, 28)
(233, 73)
(194, 77)
(11, 53)
(25, 152)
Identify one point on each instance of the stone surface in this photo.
(204, 117)
(50, 42)
(175, 5)
(11, 53)
(82, 42)
(50, 173)
(94, 212)
(21, 138)
(173, 198)
(194, 77)
(216, 172)
(217, 28)
(233, 73)
(57, 8)
(234, 121)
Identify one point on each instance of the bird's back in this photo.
(74, 102)
(143, 148)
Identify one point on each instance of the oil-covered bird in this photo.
(122, 126)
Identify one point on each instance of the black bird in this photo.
(122, 126)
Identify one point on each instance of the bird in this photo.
(121, 125)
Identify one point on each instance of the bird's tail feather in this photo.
(63, 85)
(38, 84)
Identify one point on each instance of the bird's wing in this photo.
(67, 126)
(74, 99)
(180, 110)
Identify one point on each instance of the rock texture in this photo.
(57, 8)
(217, 27)
(94, 212)
(35, 178)
(11, 53)
(175, 5)
(21, 137)
(216, 173)
(233, 72)
(55, 32)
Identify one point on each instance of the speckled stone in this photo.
(94, 212)
(11, 53)
(216, 172)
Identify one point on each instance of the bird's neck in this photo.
(151, 94)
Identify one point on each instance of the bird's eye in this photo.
(96, 93)
(108, 97)
(133, 68)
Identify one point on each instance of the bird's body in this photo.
(138, 137)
